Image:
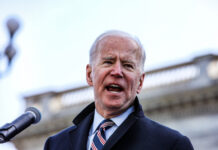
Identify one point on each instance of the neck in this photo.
(108, 114)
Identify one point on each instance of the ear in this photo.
(141, 80)
(89, 75)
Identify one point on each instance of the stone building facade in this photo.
(182, 96)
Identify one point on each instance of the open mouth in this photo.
(114, 88)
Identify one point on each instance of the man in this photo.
(115, 121)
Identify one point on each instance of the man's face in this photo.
(115, 74)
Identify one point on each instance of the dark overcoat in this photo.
(137, 132)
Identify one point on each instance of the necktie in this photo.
(99, 139)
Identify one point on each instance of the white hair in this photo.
(93, 50)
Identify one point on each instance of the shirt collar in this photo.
(118, 120)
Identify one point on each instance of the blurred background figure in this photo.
(53, 42)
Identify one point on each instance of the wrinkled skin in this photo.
(115, 75)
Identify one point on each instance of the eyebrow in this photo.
(128, 61)
(123, 61)
(108, 58)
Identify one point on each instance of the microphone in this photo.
(9, 130)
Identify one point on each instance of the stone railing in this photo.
(199, 72)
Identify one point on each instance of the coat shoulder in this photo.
(59, 140)
(162, 135)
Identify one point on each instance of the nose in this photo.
(117, 70)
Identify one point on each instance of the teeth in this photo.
(114, 88)
(114, 85)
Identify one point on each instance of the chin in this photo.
(114, 104)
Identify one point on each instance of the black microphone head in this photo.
(35, 112)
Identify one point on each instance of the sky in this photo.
(55, 36)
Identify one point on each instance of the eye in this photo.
(108, 62)
(129, 66)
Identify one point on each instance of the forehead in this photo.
(118, 44)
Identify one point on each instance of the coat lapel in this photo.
(125, 126)
(83, 121)
(79, 135)
(119, 133)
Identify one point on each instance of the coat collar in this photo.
(79, 134)
(125, 126)
(83, 122)
(84, 113)
(91, 107)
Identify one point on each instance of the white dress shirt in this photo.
(98, 119)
